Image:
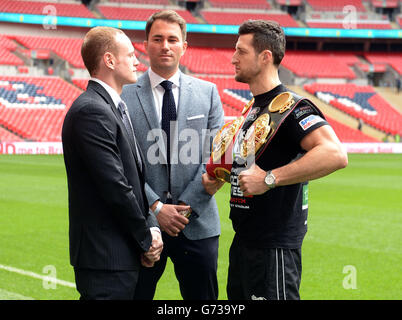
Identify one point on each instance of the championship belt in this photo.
(228, 143)
(220, 162)
(262, 130)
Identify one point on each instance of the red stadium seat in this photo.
(237, 18)
(138, 14)
(40, 7)
(354, 100)
(250, 4)
(336, 5)
(320, 64)
(33, 120)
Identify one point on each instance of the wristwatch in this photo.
(270, 179)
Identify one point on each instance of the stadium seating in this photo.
(348, 134)
(384, 3)
(394, 60)
(360, 102)
(80, 83)
(138, 14)
(40, 7)
(234, 94)
(320, 64)
(359, 25)
(295, 3)
(336, 5)
(208, 61)
(6, 135)
(34, 108)
(36, 112)
(68, 49)
(375, 67)
(250, 4)
(237, 18)
(147, 2)
(6, 55)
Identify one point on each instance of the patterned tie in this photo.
(168, 113)
(127, 123)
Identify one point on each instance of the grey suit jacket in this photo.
(199, 116)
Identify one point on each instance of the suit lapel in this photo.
(105, 95)
(147, 101)
(147, 104)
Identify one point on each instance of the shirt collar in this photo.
(157, 79)
(113, 94)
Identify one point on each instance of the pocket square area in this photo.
(196, 117)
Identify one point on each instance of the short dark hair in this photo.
(169, 16)
(266, 35)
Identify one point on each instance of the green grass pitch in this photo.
(351, 251)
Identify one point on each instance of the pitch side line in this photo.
(38, 276)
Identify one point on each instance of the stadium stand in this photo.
(250, 4)
(6, 55)
(234, 95)
(34, 108)
(40, 7)
(348, 134)
(336, 5)
(68, 49)
(6, 135)
(294, 3)
(138, 14)
(236, 18)
(208, 61)
(338, 24)
(394, 60)
(147, 2)
(360, 102)
(320, 64)
(384, 3)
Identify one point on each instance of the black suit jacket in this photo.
(109, 218)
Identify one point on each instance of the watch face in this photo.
(269, 180)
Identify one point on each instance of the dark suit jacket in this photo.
(108, 210)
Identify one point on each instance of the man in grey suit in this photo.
(175, 158)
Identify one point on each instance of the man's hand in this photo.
(252, 181)
(153, 254)
(211, 185)
(170, 219)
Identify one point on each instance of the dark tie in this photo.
(126, 121)
(168, 113)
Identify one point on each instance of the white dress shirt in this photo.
(158, 91)
(113, 94)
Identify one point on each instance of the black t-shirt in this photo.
(277, 218)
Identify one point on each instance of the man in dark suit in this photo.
(111, 231)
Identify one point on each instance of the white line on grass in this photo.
(38, 276)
